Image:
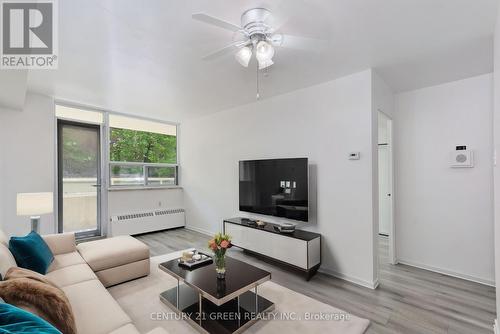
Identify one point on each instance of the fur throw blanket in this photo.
(34, 293)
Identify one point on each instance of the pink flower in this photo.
(224, 244)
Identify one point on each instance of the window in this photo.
(162, 175)
(77, 114)
(142, 152)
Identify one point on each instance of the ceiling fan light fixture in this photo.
(265, 63)
(243, 56)
(264, 51)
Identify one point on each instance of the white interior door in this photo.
(384, 188)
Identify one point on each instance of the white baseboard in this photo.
(200, 230)
(448, 272)
(496, 330)
(355, 280)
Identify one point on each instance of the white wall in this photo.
(2, 175)
(323, 122)
(27, 139)
(497, 152)
(13, 92)
(131, 201)
(383, 96)
(444, 216)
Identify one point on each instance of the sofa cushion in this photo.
(61, 243)
(31, 252)
(113, 252)
(65, 260)
(158, 330)
(16, 320)
(96, 312)
(127, 329)
(127, 272)
(16, 272)
(33, 292)
(131, 329)
(6, 260)
(71, 275)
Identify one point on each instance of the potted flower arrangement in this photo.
(219, 244)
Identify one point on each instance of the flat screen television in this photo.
(275, 187)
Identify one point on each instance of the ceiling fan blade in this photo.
(298, 42)
(225, 50)
(216, 22)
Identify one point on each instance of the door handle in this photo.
(389, 195)
(96, 185)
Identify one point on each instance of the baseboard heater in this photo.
(146, 221)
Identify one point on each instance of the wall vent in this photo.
(135, 216)
(168, 212)
(140, 215)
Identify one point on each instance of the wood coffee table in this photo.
(213, 305)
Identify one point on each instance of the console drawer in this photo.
(280, 247)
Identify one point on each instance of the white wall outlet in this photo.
(354, 156)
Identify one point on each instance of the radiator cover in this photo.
(146, 221)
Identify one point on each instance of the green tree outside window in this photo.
(140, 146)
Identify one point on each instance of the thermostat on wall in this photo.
(462, 158)
(354, 156)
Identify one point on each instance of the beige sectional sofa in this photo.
(116, 260)
(95, 310)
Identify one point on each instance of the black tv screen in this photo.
(275, 187)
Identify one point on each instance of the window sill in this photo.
(143, 188)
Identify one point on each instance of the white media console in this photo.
(300, 249)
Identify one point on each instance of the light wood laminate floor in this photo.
(408, 300)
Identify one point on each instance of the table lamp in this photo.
(34, 205)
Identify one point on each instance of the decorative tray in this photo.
(192, 263)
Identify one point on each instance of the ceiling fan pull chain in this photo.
(258, 88)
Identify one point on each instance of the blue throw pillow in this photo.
(31, 252)
(15, 320)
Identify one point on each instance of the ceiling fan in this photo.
(259, 36)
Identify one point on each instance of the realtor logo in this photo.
(29, 34)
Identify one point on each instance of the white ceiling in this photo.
(143, 57)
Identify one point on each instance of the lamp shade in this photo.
(34, 204)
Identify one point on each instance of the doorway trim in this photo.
(101, 198)
(392, 225)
